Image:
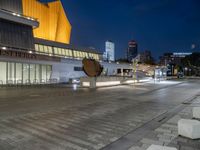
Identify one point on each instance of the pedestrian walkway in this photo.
(167, 133)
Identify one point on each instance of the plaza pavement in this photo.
(59, 118)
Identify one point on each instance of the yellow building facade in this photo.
(53, 22)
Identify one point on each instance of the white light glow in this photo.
(30, 52)
(109, 83)
(145, 80)
(74, 87)
(4, 48)
(130, 81)
(86, 84)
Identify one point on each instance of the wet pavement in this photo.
(63, 118)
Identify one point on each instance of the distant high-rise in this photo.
(145, 57)
(109, 51)
(132, 50)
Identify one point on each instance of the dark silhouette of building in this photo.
(173, 58)
(132, 50)
(145, 57)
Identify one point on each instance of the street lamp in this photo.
(135, 62)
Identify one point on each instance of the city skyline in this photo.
(159, 26)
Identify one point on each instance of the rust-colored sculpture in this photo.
(91, 67)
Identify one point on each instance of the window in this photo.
(3, 66)
(37, 73)
(86, 55)
(46, 50)
(78, 69)
(11, 72)
(67, 52)
(63, 52)
(59, 51)
(75, 54)
(49, 71)
(55, 50)
(50, 50)
(44, 73)
(18, 73)
(70, 53)
(36, 47)
(26, 73)
(41, 48)
(32, 73)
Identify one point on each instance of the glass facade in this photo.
(22, 73)
(66, 53)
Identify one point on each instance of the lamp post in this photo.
(135, 62)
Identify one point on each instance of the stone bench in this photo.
(196, 112)
(157, 147)
(189, 128)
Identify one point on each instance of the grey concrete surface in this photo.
(59, 118)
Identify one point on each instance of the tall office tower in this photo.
(132, 50)
(110, 51)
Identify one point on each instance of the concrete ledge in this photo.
(93, 82)
(196, 113)
(189, 128)
(18, 18)
(158, 147)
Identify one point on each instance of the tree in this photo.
(192, 60)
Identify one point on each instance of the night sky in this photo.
(157, 25)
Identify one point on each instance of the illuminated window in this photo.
(67, 52)
(78, 54)
(41, 48)
(63, 52)
(82, 54)
(36, 47)
(75, 54)
(55, 50)
(50, 50)
(86, 55)
(70, 53)
(46, 49)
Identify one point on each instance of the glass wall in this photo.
(11, 73)
(21, 73)
(37, 74)
(32, 73)
(44, 73)
(3, 66)
(26, 73)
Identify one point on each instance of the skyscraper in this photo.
(110, 51)
(132, 50)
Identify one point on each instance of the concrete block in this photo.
(158, 147)
(189, 128)
(196, 112)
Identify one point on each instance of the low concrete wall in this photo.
(93, 82)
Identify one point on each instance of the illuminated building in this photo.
(35, 44)
(109, 51)
(54, 24)
(132, 50)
